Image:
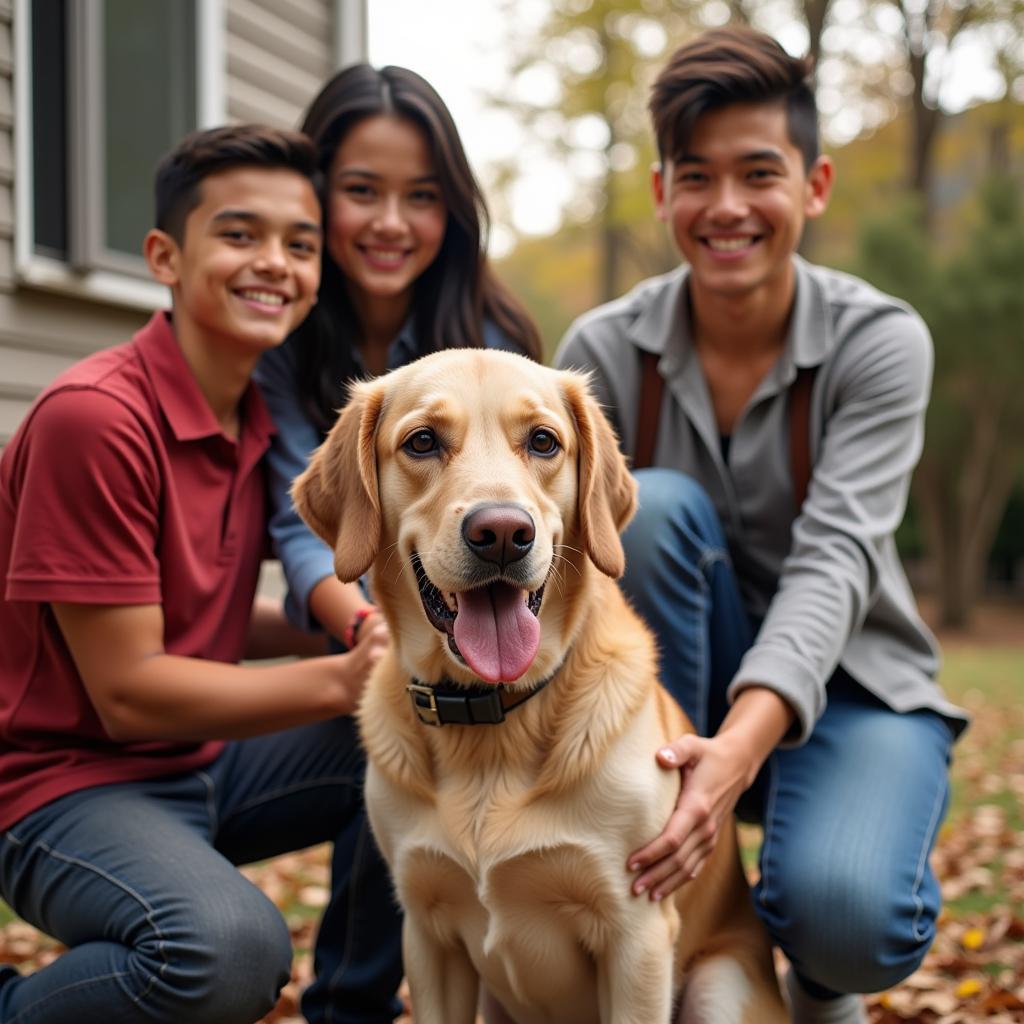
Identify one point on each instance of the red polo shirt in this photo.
(119, 488)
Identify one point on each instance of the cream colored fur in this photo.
(508, 843)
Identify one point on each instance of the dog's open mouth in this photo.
(492, 628)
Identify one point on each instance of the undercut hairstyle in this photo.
(454, 295)
(733, 65)
(200, 154)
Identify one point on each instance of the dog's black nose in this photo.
(501, 534)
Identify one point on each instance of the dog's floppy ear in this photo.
(606, 495)
(337, 492)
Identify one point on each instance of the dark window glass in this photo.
(137, 86)
(49, 121)
(150, 103)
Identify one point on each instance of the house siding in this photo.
(277, 54)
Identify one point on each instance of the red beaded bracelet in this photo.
(351, 634)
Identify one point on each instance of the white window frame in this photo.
(351, 32)
(101, 285)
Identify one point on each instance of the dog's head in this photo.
(483, 489)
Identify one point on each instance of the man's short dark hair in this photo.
(726, 66)
(202, 153)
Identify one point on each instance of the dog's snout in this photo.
(501, 534)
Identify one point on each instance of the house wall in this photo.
(276, 55)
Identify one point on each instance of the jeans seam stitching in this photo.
(124, 887)
(704, 696)
(211, 801)
(922, 862)
(67, 988)
(769, 827)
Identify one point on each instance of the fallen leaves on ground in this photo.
(974, 973)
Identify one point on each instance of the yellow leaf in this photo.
(968, 987)
(973, 938)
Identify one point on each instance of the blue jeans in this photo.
(851, 815)
(139, 881)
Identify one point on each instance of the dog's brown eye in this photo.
(543, 442)
(422, 442)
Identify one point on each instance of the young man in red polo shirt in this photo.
(132, 526)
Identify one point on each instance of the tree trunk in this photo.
(609, 241)
(815, 11)
(962, 503)
(924, 119)
(926, 115)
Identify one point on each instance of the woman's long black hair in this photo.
(454, 295)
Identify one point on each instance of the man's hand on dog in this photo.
(714, 773)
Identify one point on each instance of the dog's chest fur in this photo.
(519, 874)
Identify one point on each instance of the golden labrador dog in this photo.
(511, 729)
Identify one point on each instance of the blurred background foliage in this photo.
(928, 205)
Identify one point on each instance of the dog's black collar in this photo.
(445, 703)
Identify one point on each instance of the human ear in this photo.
(658, 190)
(819, 186)
(163, 257)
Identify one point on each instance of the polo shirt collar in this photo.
(177, 391)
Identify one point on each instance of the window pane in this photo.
(49, 113)
(149, 79)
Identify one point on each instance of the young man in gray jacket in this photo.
(782, 406)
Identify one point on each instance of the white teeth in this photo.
(266, 298)
(452, 601)
(730, 244)
(393, 256)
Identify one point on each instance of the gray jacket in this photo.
(827, 584)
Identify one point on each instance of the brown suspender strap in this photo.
(800, 433)
(651, 386)
(650, 408)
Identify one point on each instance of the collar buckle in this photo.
(424, 703)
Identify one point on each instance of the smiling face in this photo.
(386, 215)
(247, 270)
(737, 199)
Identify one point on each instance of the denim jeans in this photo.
(139, 881)
(850, 816)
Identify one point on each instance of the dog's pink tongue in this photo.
(496, 633)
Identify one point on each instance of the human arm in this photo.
(841, 563)
(874, 394)
(271, 635)
(315, 595)
(141, 692)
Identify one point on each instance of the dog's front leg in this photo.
(635, 976)
(443, 985)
